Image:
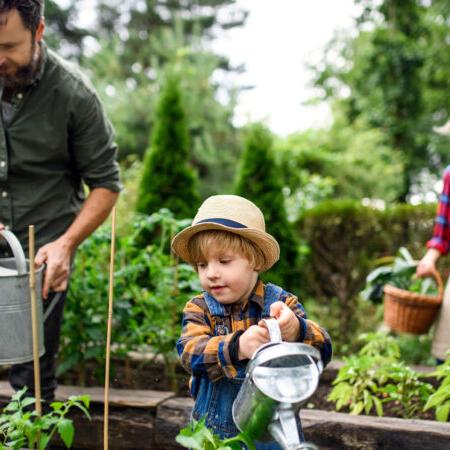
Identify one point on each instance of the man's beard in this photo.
(24, 75)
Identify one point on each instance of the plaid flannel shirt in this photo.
(204, 353)
(441, 233)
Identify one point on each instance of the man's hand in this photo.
(427, 265)
(251, 340)
(57, 256)
(287, 321)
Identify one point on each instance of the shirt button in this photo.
(2, 163)
(19, 95)
(4, 194)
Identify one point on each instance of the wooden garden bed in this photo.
(141, 420)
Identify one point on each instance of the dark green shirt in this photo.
(57, 139)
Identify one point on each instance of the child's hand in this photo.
(251, 340)
(287, 321)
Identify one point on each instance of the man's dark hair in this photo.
(30, 11)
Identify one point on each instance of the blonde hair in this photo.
(200, 244)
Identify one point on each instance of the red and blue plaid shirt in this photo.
(441, 234)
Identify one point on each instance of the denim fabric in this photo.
(21, 375)
(214, 400)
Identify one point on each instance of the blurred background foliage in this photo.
(337, 197)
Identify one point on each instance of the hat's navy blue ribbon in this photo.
(225, 222)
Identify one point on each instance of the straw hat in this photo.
(236, 215)
(445, 129)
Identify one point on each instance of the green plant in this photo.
(19, 426)
(259, 180)
(198, 437)
(402, 388)
(167, 180)
(375, 377)
(440, 400)
(150, 290)
(399, 271)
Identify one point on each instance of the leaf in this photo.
(28, 401)
(43, 441)
(404, 253)
(442, 413)
(189, 442)
(378, 406)
(66, 431)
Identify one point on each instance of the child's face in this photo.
(227, 276)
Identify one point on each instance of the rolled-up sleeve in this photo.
(92, 144)
(441, 233)
(200, 352)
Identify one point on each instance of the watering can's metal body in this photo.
(279, 378)
(16, 340)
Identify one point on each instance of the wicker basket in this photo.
(410, 312)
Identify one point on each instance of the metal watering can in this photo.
(16, 340)
(279, 378)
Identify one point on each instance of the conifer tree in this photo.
(167, 180)
(259, 180)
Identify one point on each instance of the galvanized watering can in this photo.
(16, 341)
(279, 378)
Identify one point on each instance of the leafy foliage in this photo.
(198, 437)
(150, 290)
(344, 161)
(440, 400)
(259, 181)
(375, 377)
(393, 75)
(399, 273)
(345, 238)
(167, 180)
(20, 426)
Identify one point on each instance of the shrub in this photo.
(167, 180)
(259, 181)
(375, 377)
(345, 238)
(150, 290)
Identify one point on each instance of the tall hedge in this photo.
(167, 180)
(346, 237)
(259, 180)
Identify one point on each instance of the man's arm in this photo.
(57, 254)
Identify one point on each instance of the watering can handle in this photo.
(52, 305)
(274, 330)
(19, 255)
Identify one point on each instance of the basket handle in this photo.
(436, 275)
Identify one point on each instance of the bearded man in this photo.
(54, 140)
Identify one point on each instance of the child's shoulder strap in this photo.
(272, 294)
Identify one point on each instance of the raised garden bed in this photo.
(150, 419)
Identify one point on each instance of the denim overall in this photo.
(215, 399)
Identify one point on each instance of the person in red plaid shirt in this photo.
(439, 245)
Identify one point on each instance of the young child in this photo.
(228, 246)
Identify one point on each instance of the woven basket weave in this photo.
(410, 312)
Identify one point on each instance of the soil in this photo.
(148, 375)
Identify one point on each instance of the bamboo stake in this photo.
(108, 335)
(34, 324)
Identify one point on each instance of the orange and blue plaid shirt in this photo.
(207, 348)
(441, 233)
